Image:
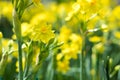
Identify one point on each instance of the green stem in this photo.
(29, 58)
(17, 29)
(81, 66)
(83, 57)
(20, 59)
(50, 69)
(82, 61)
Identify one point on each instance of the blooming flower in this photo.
(64, 34)
(63, 66)
(25, 29)
(117, 34)
(116, 12)
(42, 33)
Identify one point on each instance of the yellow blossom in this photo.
(64, 34)
(59, 56)
(42, 32)
(76, 38)
(26, 29)
(63, 66)
(117, 34)
(6, 10)
(69, 17)
(76, 7)
(116, 12)
(71, 51)
(14, 37)
(42, 17)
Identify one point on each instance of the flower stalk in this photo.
(82, 59)
(17, 30)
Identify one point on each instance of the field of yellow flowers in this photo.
(59, 40)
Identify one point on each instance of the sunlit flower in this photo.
(6, 10)
(44, 16)
(42, 32)
(14, 37)
(26, 29)
(76, 38)
(76, 7)
(117, 34)
(63, 66)
(59, 56)
(64, 34)
(116, 12)
(71, 51)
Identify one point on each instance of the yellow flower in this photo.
(63, 66)
(14, 37)
(43, 16)
(69, 17)
(42, 32)
(26, 29)
(117, 34)
(84, 10)
(75, 10)
(76, 38)
(6, 10)
(59, 56)
(116, 12)
(64, 34)
(71, 51)
(76, 7)
(95, 39)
